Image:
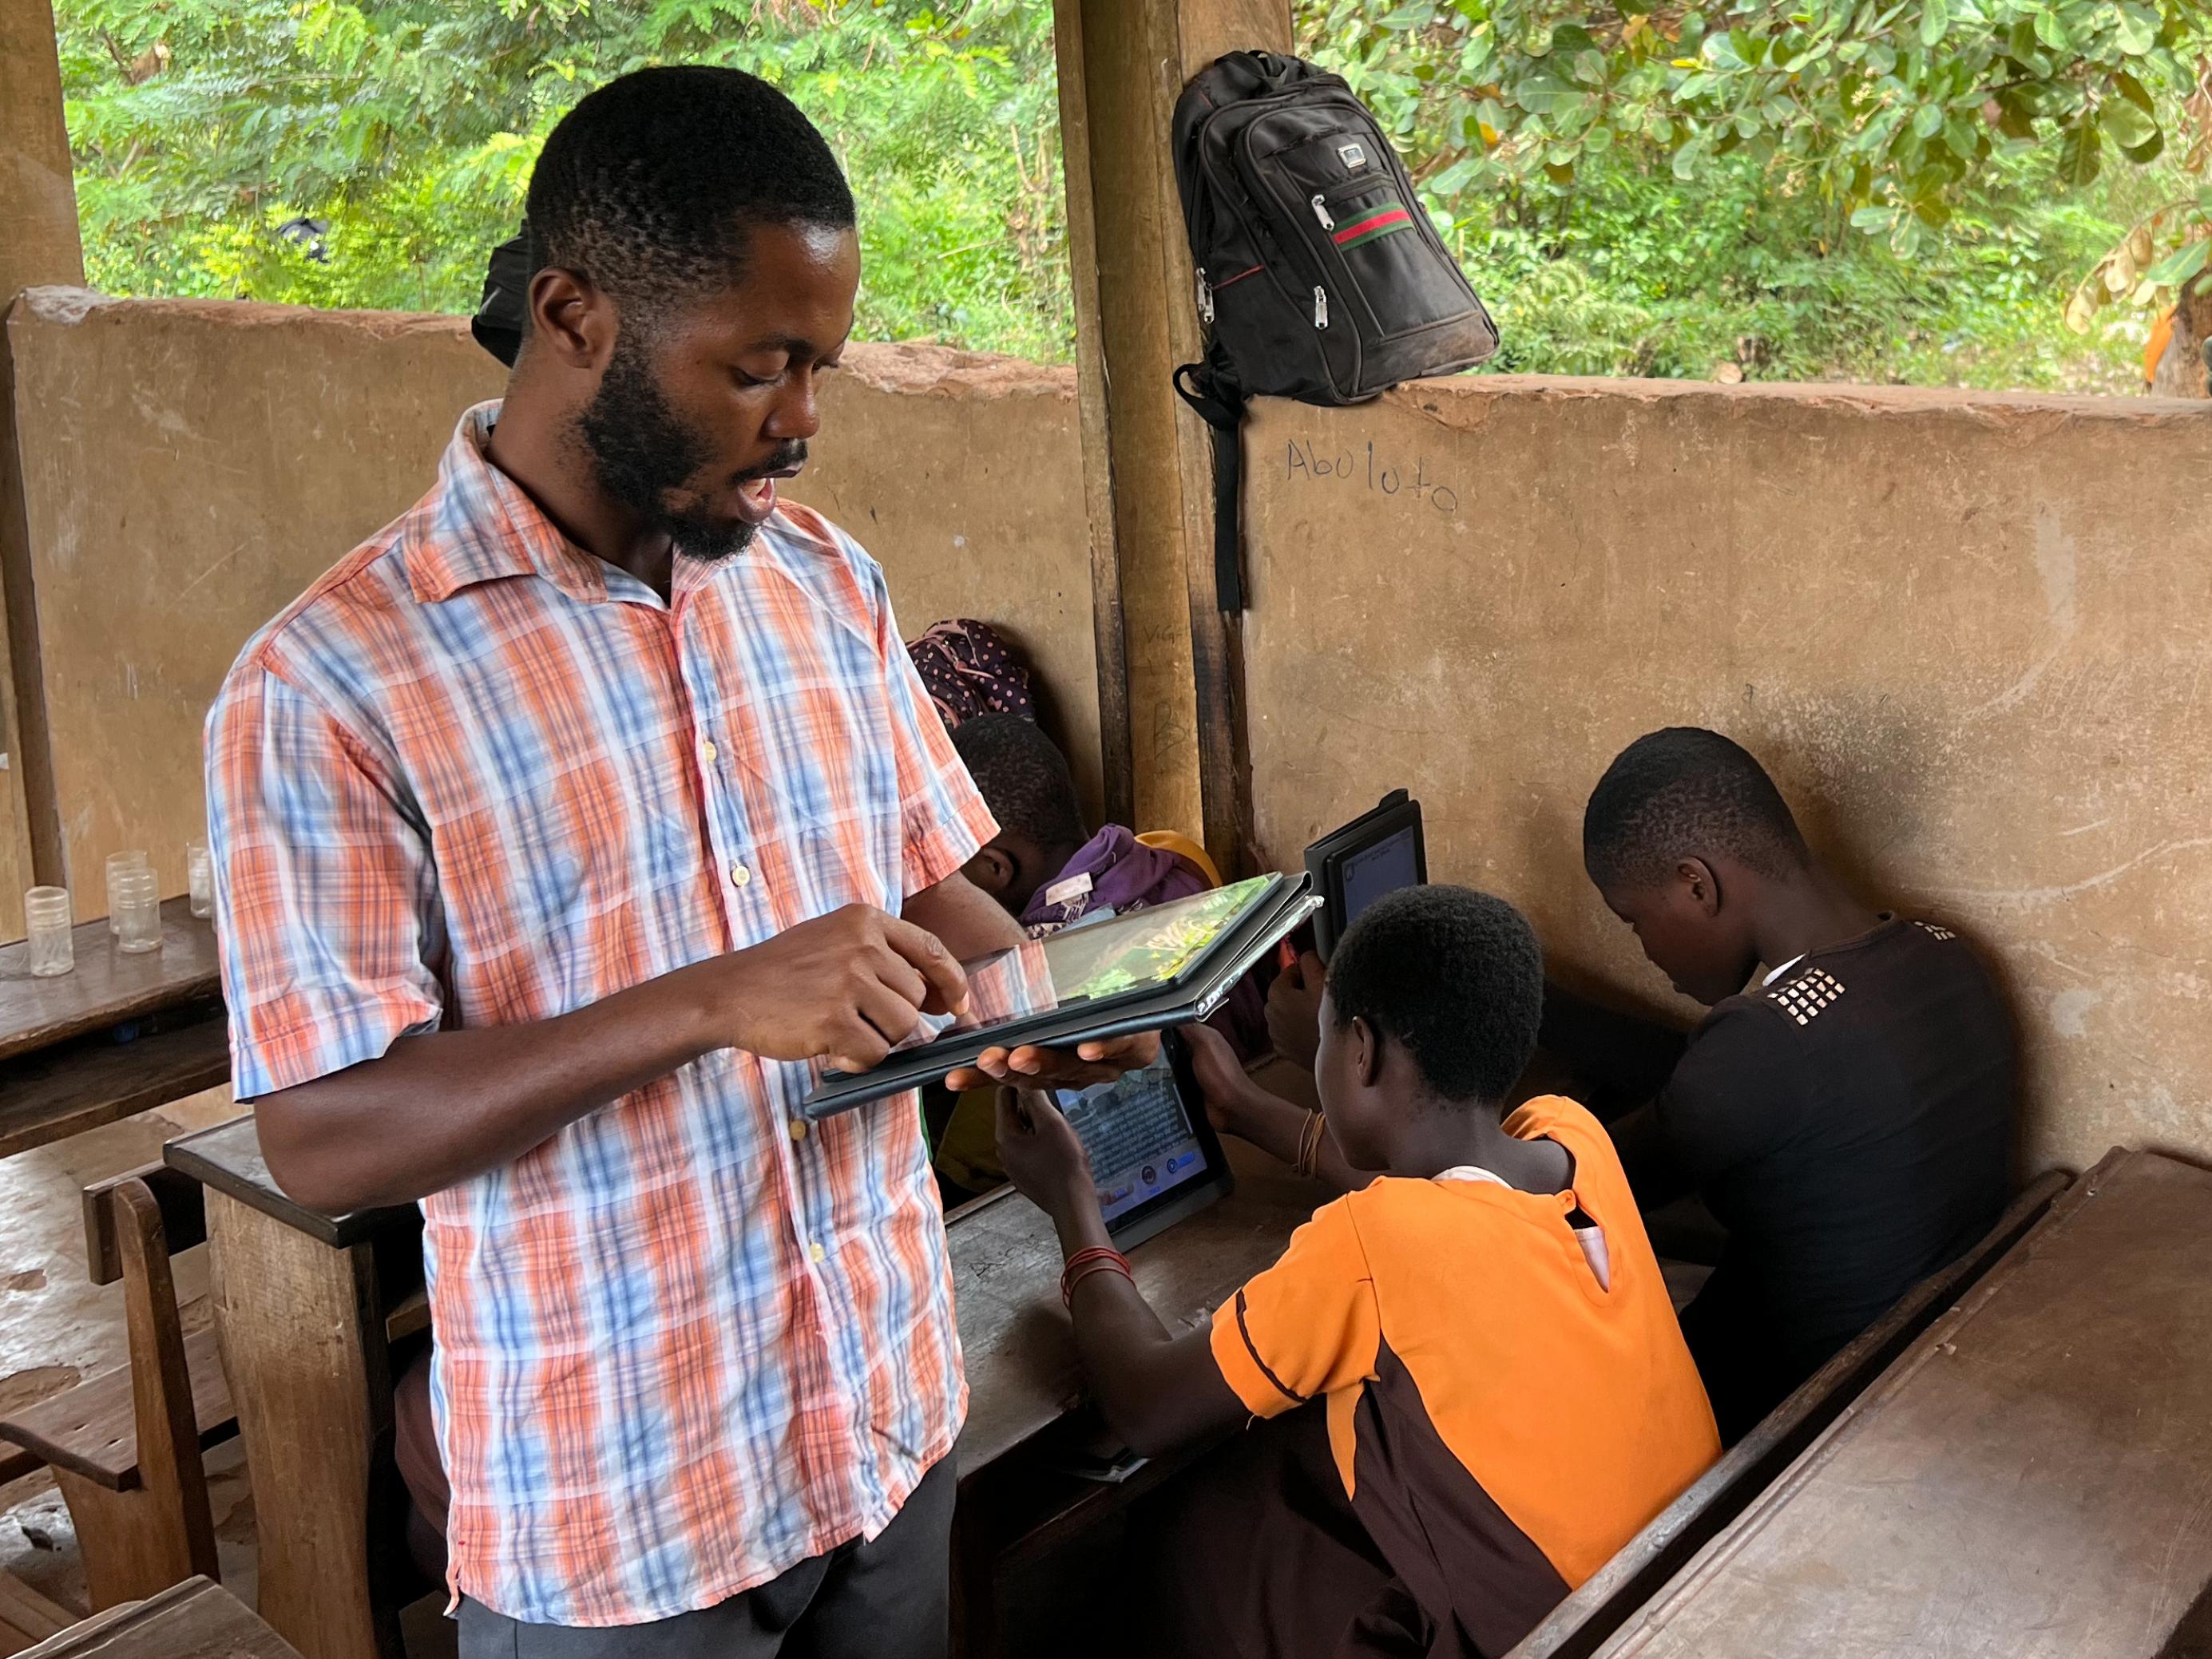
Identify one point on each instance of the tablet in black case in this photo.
(1377, 853)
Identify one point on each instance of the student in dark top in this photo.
(1847, 1116)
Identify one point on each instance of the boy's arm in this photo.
(1238, 1106)
(1622, 1060)
(1158, 1390)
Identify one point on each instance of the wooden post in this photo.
(1169, 663)
(38, 243)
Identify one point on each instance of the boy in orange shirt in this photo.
(1508, 1396)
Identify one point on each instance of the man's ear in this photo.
(1699, 885)
(991, 869)
(571, 317)
(1366, 1053)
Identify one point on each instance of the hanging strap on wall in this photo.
(1217, 399)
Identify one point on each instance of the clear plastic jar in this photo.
(199, 878)
(136, 896)
(46, 923)
(116, 864)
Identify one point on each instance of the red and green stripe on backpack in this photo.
(1385, 220)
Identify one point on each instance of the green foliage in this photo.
(410, 128)
(1866, 189)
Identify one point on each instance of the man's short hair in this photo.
(1685, 793)
(1455, 976)
(649, 185)
(1022, 778)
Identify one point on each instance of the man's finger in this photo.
(948, 982)
(892, 1015)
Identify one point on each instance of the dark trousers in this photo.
(888, 1599)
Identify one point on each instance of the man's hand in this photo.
(1294, 1010)
(1088, 1064)
(1043, 1155)
(844, 988)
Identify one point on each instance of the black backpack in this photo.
(1319, 275)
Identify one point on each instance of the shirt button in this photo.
(816, 1252)
(799, 1128)
(707, 750)
(739, 875)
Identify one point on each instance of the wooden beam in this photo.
(1148, 460)
(39, 244)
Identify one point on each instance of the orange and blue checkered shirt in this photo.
(475, 776)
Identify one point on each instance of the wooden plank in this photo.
(183, 1217)
(1601, 1604)
(107, 988)
(1023, 1376)
(195, 1620)
(301, 1327)
(1149, 462)
(16, 1462)
(227, 1158)
(91, 1428)
(2032, 1477)
(1106, 611)
(77, 1086)
(27, 1617)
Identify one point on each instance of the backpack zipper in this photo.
(1321, 212)
(1205, 297)
(1321, 307)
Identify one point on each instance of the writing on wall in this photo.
(1360, 467)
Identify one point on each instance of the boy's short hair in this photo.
(1454, 975)
(1685, 793)
(1022, 778)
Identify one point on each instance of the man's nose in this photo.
(795, 416)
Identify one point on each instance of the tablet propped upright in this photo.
(1377, 853)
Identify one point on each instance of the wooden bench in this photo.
(194, 1619)
(1616, 1590)
(2028, 1479)
(125, 1446)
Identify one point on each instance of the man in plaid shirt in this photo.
(558, 828)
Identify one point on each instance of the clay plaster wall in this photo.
(1971, 635)
(191, 465)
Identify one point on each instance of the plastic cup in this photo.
(46, 923)
(136, 912)
(116, 863)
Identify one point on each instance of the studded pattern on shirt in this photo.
(1804, 998)
(1934, 931)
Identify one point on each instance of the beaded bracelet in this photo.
(1099, 1258)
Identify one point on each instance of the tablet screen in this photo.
(1383, 868)
(1139, 1139)
(1144, 951)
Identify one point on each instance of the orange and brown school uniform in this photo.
(1508, 1396)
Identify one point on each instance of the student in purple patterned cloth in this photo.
(1047, 870)
(971, 671)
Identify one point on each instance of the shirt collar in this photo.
(481, 526)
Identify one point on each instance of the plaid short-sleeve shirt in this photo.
(475, 776)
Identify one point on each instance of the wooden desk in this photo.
(195, 1620)
(1612, 1594)
(119, 1035)
(1024, 1380)
(2032, 1479)
(302, 1300)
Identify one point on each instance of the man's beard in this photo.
(648, 459)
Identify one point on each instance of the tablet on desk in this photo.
(1153, 1155)
(1149, 971)
(1376, 853)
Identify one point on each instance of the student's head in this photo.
(1433, 1000)
(1025, 781)
(1685, 836)
(696, 267)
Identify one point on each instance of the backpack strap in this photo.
(1211, 391)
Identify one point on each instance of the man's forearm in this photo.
(442, 1107)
